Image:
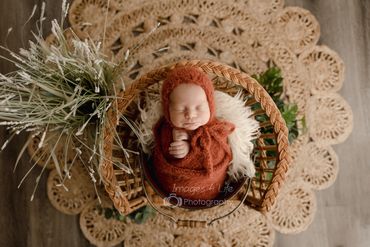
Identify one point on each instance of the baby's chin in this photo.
(187, 126)
(193, 126)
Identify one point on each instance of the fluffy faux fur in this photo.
(230, 108)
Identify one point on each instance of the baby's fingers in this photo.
(179, 135)
(177, 147)
(178, 153)
(182, 136)
(177, 144)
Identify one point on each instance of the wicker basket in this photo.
(270, 153)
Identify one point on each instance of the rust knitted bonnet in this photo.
(189, 75)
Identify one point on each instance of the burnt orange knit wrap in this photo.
(202, 172)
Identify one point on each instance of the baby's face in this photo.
(189, 107)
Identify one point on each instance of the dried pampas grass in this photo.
(65, 87)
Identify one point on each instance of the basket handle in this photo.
(192, 222)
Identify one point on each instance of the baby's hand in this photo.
(179, 149)
(179, 135)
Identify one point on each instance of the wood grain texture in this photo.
(25, 223)
(343, 215)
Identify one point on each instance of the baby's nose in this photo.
(190, 114)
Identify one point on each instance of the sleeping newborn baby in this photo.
(191, 153)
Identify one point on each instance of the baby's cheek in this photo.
(176, 119)
(205, 117)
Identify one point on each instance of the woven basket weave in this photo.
(270, 153)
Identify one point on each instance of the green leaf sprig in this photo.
(139, 216)
(272, 81)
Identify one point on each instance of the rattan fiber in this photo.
(264, 189)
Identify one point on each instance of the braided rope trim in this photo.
(125, 98)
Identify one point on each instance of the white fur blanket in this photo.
(229, 108)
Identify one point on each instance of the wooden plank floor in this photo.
(343, 215)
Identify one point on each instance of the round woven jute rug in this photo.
(248, 35)
(70, 191)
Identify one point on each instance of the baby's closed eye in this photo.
(201, 107)
(178, 109)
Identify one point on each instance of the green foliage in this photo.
(140, 216)
(289, 114)
(272, 81)
(111, 213)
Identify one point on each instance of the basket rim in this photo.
(222, 70)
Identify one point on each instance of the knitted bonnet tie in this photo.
(204, 136)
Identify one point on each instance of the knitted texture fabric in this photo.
(202, 172)
(190, 75)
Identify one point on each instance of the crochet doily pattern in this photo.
(248, 35)
(98, 229)
(76, 192)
